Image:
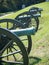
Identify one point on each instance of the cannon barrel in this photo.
(26, 31)
(35, 9)
(29, 16)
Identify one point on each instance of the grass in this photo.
(41, 39)
(40, 49)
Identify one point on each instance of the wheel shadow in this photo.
(33, 60)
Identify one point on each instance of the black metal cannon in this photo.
(27, 38)
(12, 49)
(30, 17)
(11, 45)
(34, 10)
(10, 42)
(28, 20)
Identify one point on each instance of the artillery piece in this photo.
(13, 46)
(34, 10)
(12, 49)
(29, 19)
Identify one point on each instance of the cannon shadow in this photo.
(33, 60)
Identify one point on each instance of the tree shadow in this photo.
(33, 60)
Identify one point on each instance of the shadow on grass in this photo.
(33, 60)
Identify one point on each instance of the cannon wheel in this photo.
(28, 20)
(28, 38)
(24, 19)
(16, 55)
(9, 23)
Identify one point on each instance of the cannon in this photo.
(8, 24)
(28, 21)
(12, 49)
(11, 45)
(30, 16)
(34, 10)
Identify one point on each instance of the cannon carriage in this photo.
(14, 33)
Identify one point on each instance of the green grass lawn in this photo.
(39, 54)
(40, 48)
